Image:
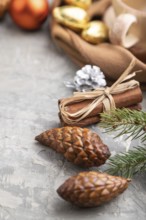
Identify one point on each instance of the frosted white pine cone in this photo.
(88, 78)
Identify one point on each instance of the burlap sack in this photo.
(113, 60)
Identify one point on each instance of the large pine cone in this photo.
(90, 189)
(78, 145)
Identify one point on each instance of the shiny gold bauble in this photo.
(29, 14)
(95, 32)
(72, 17)
(85, 4)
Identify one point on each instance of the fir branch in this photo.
(128, 164)
(133, 124)
(125, 121)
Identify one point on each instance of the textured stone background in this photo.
(32, 72)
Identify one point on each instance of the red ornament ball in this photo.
(29, 14)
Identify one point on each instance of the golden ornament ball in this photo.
(72, 17)
(29, 14)
(85, 4)
(95, 32)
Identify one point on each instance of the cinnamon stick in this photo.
(83, 123)
(95, 119)
(125, 99)
(137, 107)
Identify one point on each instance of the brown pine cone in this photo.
(3, 6)
(78, 145)
(91, 189)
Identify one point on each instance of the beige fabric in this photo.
(112, 59)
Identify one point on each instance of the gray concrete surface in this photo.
(32, 72)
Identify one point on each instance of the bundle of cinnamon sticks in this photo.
(82, 112)
(130, 99)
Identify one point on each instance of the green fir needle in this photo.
(133, 124)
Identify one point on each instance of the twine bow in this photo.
(100, 95)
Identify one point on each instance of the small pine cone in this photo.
(91, 189)
(3, 6)
(78, 145)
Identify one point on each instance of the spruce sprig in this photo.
(125, 121)
(128, 164)
(132, 123)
